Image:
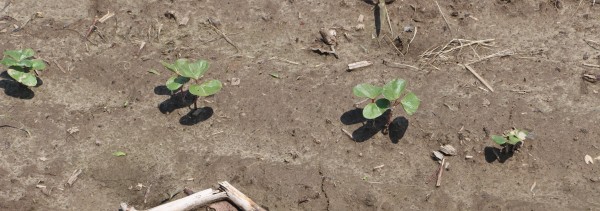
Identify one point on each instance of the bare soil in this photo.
(279, 140)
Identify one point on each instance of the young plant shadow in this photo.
(15, 89)
(493, 153)
(398, 129)
(196, 116)
(371, 127)
(182, 100)
(377, 14)
(175, 101)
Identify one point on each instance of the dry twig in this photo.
(224, 36)
(466, 66)
(591, 65)
(497, 54)
(360, 64)
(284, 60)
(21, 129)
(443, 16)
(74, 177)
(440, 171)
(455, 44)
(398, 65)
(411, 40)
(348, 133)
(59, 67)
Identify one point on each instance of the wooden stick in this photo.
(192, 201)
(360, 64)
(238, 198)
(439, 176)
(591, 65)
(478, 76)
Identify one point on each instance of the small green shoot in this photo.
(392, 93)
(274, 75)
(185, 71)
(119, 154)
(153, 71)
(22, 67)
(511, 140)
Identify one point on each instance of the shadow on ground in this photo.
(175, 101)
(15, 89)
(182, 100)
(371, 127)
(196, 116)
(493, 153)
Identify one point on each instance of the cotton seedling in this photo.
(22, 67)
(511, 140)
(392, 93)
(185, 71)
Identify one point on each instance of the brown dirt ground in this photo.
(279, 140)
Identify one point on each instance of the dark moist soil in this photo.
(279, 140)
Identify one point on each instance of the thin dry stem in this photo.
(443, 16)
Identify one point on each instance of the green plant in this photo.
(391, 92)
(511, 140)
(184, 71)
(21, 65)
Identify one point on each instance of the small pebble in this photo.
(408, 29)
(235, 81)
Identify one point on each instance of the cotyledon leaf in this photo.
(206, 89)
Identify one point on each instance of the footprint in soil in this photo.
(371, 127)
(492, 154)
(15, 89)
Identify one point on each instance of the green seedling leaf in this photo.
(22, 77)
(14, 54)
(410, 103)
(500, 140)
(394, 89)
(191, 70)
(170, 67)
(512, 139)
(274, 75)
(8, 61)
(176, 82)
(26, 53)
(153, 71)
(383, 103)
(206, 89)
(119, 153)
(367, 90)
(372, 111)
(37, 64)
